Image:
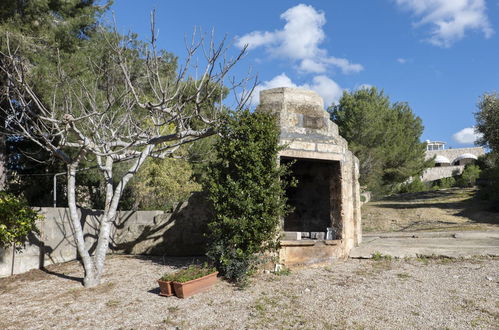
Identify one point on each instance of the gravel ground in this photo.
(355, 294)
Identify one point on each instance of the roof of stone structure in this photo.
(442, 159)
(465, 156)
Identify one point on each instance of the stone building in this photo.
(448, 162)
(326, 222)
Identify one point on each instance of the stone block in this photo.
(300, 145)
(323, 147)
(291, 235)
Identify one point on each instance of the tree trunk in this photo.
(94, 266)
(3, 163)
(91, 278)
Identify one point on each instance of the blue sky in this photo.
(437, 55)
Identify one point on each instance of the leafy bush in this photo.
(447, 182)
(416, 185)
(162, 183)
(489, 180)
(490, 189)
(247, 191)
(188, 274)
(469, 176)
(17, 220)
(444, 183)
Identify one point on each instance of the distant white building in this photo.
(435, 145)
(448, 162)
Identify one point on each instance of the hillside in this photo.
(451, 209)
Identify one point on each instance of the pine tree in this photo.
(384, 136)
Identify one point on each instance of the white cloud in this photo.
(327, 88)
(402, 60)
(299, 40)
(466, 136)
(450, 19)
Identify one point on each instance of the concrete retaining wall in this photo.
(436, 173)
(179, 233)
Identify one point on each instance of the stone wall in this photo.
(180, 233)
(436, 173)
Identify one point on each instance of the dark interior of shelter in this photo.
(316, 199)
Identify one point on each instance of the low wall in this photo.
(436, 173)
(179, 233)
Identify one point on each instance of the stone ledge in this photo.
(309, 242)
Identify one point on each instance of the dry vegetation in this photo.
(450, 209)
(356, 294)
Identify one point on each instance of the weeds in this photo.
(283, 271)
(377, 256)
(112, 303)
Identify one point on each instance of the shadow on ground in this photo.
(442, 209)
(463, 201)
(61, 270)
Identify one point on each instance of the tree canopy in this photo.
(383, 135)
(487, 121)
(43, 30)
(114, 100)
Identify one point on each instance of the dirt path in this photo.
(356, 294)
(453, 209)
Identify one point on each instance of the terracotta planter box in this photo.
(166, 288)
(187, 289)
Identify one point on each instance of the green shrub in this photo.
(247, 191)
(416, 185)
(17, 220)
(489, 186)
(447, 182)
(469, 176)
(162, 183)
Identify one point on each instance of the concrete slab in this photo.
(429, 244)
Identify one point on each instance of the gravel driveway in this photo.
(355, 294)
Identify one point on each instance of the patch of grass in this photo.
(422, 259)
(329, 269)
(403, 275)
(265, 303)
(112, 303)
(377, 256)
(381, 265)
(282, 272)
(475, 322)
(362, 272)
(170, 321)
(438, 259)
(173, 309)
(102, 288)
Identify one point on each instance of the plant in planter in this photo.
(194, 279)
(166, 285)
(188, 281)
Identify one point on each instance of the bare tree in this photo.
(123, 103)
